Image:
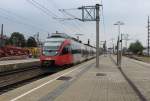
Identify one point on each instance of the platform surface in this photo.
(9, 65)
(139, 73)
(84, 82)
(110, 85)
(7, 62)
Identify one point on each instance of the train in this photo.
(60, 49)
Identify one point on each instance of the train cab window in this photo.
(66, 50)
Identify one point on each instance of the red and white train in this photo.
(60, 49)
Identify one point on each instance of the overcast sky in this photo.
(22, 16)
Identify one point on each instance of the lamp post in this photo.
(119, 48)
(1, 37)
(112, 41)
(104, 47)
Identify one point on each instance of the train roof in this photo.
(60, 35)
(65, 36)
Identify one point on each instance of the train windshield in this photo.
(51, 47)
(50, 52)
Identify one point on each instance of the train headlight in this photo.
(48, 58)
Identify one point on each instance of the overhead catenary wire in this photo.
(38, 7)
(65, 11)
(74, 26)
(42, 8)
(75, 22)
(64, 14)
(18, 22)
(72, 17)
(48, 13)
(15, 17)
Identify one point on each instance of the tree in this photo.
(17, 39)
(31, 42)
(7, 41)
(136, 47)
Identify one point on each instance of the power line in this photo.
(45, 10)
(38, 7)
(18, 22)
(12, 13)
(64, 11)
(42, 8)
(64, 14)
(11, 16)
(59, 19)
(72, 17)
(75, 24)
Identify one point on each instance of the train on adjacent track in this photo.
(60, 49)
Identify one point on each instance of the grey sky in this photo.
(132, 12)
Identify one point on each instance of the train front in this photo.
(50, 51)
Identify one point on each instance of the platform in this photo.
(139, 73)
(84, 82)
(9, 65)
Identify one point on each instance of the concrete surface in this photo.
(139, 73)
(89, 87)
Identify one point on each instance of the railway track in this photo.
(13, 79)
